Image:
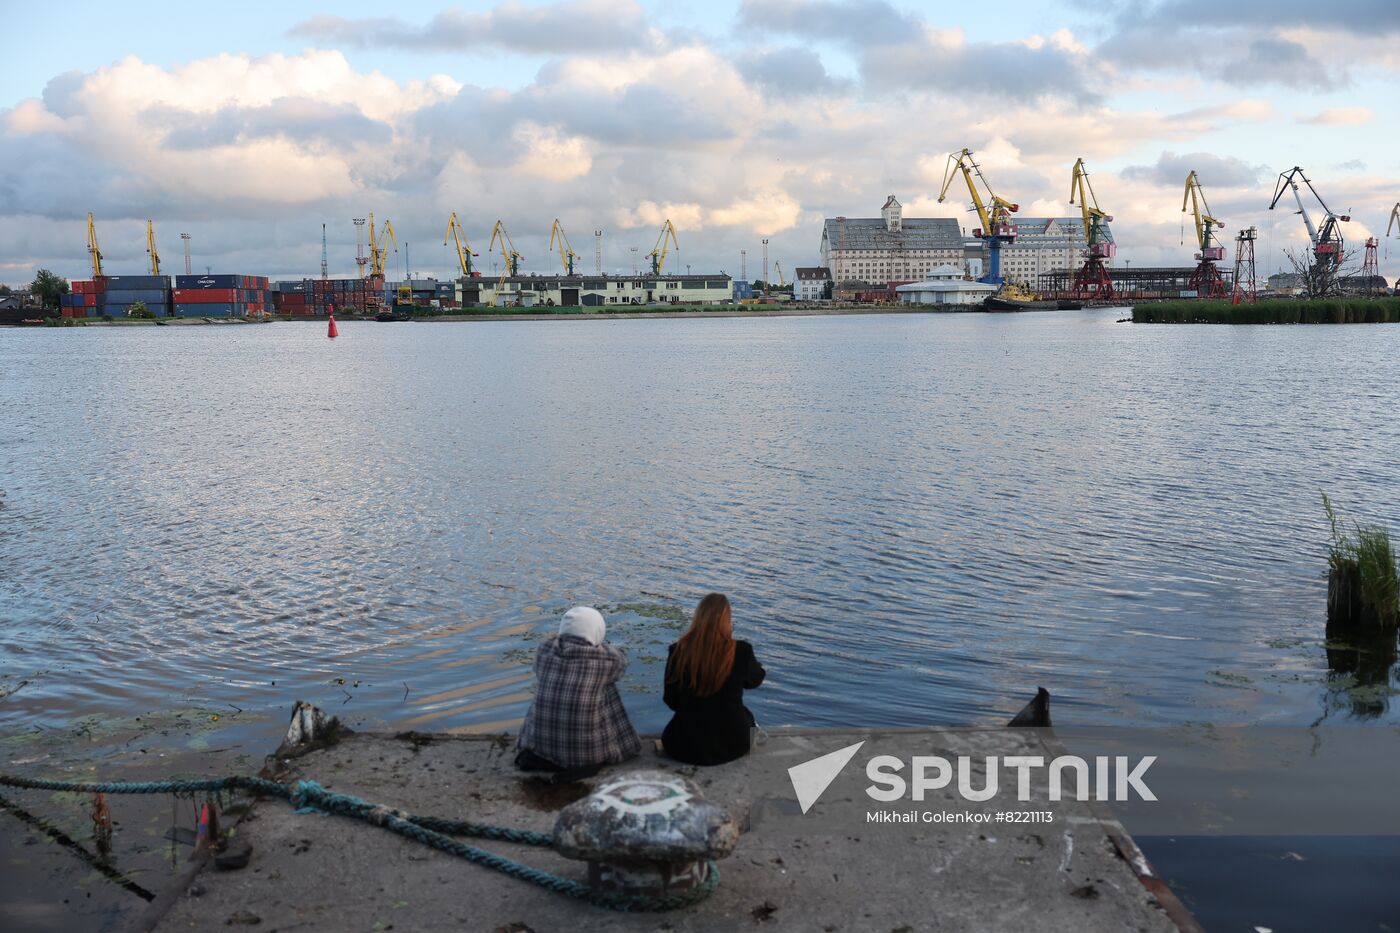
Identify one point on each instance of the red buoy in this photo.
(331, 331)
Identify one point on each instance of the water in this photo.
(919, 519)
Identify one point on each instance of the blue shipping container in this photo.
(121, 282)
(131, 296)
(211, 309)
(209, 281)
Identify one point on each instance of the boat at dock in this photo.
(1015, 298)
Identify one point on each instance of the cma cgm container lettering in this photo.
(207, 281)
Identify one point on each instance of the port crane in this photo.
(994, 212)
(1206, 279)
(509, 257)
(464, 249)
(151, 247)
(1394, 222)
(566, 252)
(1092, 278)
(1327, 241)
(664, 242)
(94, 253)
(379, 247)
(778, 268)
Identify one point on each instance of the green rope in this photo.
(309, 796)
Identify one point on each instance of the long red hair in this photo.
(704, 655)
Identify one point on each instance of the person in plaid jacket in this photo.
(577, 722)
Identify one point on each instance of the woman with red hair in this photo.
(707, 672)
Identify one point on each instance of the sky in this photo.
(250, 125)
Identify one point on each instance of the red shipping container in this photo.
(205, 295)
(89, 301)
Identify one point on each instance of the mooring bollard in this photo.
(646, 832)
(308, 724)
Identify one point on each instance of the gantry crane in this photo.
(664, 242)
(509, 257)
(459, 239)
(1092, 278)
(997, 228)
(94, 253)
(379, 247)
(1206, 279)
(1326, 242)
(566, 252)
(151, 247)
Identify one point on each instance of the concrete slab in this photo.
(313, 872)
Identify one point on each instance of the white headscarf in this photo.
(585, 622)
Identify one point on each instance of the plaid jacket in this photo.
(577, 717)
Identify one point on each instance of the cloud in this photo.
(1216, 54)
(1212, 170)
(1361, 17)
(1338, 116)
(858, 22)
(605, 25)
(792, 72)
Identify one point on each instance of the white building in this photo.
(945, 285)
(1044, 244)
(889, 248)
(573, 291)
(811, 283)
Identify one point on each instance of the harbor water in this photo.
(919, 519)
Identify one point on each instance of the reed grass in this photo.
(1364, 560)
(1272, 311)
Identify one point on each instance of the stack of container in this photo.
(319, 296)
(220, 295)
(123, 292)
(116, 295)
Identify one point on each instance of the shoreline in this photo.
(556, 315)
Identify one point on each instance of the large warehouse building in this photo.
(893, 248)
(889, 248)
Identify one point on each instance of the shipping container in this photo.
(131, 296)
(209, 309)
(128, 282)
(207, 281)
(215, 295)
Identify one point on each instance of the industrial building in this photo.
(1044, 245)
(946, 285)
(889, 248)
(563, 291)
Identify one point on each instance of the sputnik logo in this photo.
(811, 778)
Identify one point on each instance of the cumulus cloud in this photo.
(793, 72)
(541, 30)
(851, 21)
(1212, 170)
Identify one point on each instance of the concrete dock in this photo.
(307, 872)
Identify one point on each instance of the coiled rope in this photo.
(311, 797)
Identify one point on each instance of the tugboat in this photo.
(1011, 297)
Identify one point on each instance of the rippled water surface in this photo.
(919, 518)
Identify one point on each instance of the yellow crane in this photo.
(664, 242)
(993, 212)
(379, 246)
(510, 259)
(778, 268)
(1092, 277)
(464, 250)
(566, 252)
(1206, 279)
(151, 247)
(94, 253)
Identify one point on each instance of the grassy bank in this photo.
(1275, 311)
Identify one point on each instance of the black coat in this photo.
(714, 729)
